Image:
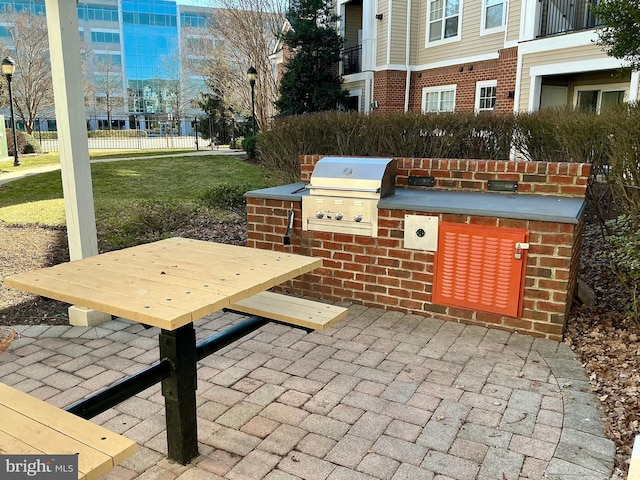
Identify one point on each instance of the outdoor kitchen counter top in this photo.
(545, 208)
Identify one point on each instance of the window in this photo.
(443, 20)
(105, 37)
(486, 95)
(108, 58)
(597, 97)
(494, 14)
(439, 99)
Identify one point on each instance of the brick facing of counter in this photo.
(380, 272)
(540, 178)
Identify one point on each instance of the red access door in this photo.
(480, 268)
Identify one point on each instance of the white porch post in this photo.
(66, 71)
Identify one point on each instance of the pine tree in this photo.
(311, 82)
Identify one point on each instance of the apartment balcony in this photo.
(352, 60)
(566, 16)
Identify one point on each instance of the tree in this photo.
(183, 85)
(620, 33)
(311, 82)
(32, 85)
(107, 83)
(238, 35)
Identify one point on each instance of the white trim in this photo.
(357, 77)
(559, 42)
(407, 83)
(389, 18)
(536, 74)
(518, 86)
(443, 41)
(634, 86)
(529, 19)
(534, 93)
(444, 63)
(594, 64)
(393, 66)
(480, 85)
(483, 18)
(439, 89)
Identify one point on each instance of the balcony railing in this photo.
(564, 16)
(352, 60)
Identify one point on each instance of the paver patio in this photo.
(382, 395)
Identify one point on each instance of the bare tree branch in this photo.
(32, 85)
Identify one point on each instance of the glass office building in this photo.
(135, 48)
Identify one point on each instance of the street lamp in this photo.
(8, 69)
(251, 76)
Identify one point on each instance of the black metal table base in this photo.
(177, 372)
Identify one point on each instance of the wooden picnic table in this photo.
(168, 284)
(33, 427)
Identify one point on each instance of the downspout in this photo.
(407, 86)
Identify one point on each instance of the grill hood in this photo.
(354, 177)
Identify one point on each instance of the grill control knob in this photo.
(358, 217)
(338, 216)
(319, 214)
(420, 232)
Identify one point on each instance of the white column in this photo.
(64, 49)
(66, 71)
(368, 35)
(529, 19)
(634, 90)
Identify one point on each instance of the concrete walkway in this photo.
(6, 177)
(382, 395)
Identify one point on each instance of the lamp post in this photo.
(251, 76)
(8, 69)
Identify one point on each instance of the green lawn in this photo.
(120, 187)
(53, 158)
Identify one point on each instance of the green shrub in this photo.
(249, 145)
(236, 142)
(624, 253)
(116, 133)
(446, 135)
(26, 143)
(226, 196)
(45, 135)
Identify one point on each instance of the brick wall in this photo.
(389, 85)
(379, 272)
(388, 90)
(541, 178)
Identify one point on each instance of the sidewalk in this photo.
(382, 395)
(27, 172)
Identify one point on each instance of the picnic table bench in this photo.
(32, 426)
(170, 284)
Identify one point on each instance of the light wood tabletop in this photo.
(168, 283)
(33, 427)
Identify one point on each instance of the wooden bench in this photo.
(292, 310)
(33, 427)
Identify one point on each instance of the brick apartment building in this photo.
(475, 55)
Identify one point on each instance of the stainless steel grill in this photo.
(344, 194)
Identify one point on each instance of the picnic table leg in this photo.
(179, 391)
